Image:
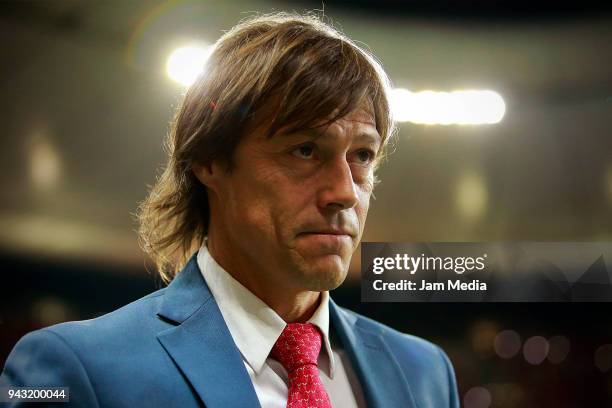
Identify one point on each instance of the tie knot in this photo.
(299, 344)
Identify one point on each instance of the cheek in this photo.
(362, 208)
(292, 208)
(246, 209)
(267, 207)
(256, 214)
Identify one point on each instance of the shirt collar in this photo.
(255, 326)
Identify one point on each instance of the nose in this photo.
(338, 190)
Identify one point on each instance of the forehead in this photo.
(362, 119)
(360, 116)
(364, 113)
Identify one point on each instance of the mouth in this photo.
(326, 240)
(329, 232)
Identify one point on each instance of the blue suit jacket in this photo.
(172, 348)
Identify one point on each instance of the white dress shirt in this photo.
(255, 327)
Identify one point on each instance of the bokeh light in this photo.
(507, 344)
(559, 349)
(535, 350)
(603, 358)
(186, 63)
(471, 195)
(462, 107)
(507, 394)
(482, 336)
(44, 163)
(477, 397)
(50, 310)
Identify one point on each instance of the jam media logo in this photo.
(486, 272)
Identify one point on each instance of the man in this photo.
(271, 169)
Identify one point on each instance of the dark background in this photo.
(86, 103)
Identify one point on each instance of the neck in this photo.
(300, 310)
(290, 303)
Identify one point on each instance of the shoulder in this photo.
(127, 328)
(137, 316)
(96, 356)
(425, 365)
(395, 339)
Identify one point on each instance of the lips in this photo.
(328, 231)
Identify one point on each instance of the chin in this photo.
(325, 274)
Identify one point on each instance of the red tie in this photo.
(297, 349)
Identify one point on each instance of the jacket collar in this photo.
(201, 344)
(202, 347)
(185, 294)
(382, 380)
(255, 326)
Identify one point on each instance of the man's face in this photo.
(293, 207)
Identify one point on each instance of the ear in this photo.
(207, 173)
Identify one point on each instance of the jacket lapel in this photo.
(201, 345)
(383, 382)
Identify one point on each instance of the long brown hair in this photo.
(297, 69)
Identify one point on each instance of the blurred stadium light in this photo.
(535, 350)
(507, 344)
(559, 349)
(461, 107)
(603, 358)
(477, 397)
(471, 195)
(186, 63)
(44, 162)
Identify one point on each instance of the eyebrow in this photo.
(371, 137)
(316, 133)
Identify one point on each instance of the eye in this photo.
(305, 151)
(365, 156)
